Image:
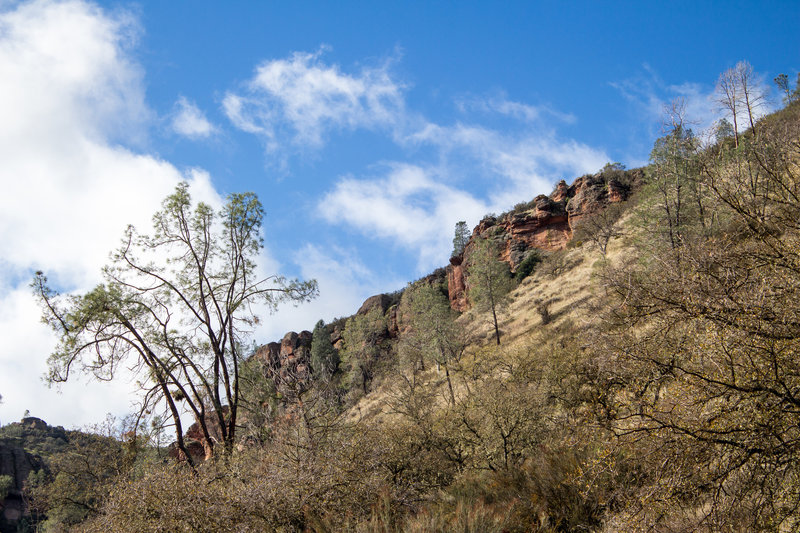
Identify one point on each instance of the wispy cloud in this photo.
(189, 121)
(417, 206)
(307, 99)
(458, 171)
(652, 100)
(500, 104)
(406, 205)
(344, 283)
(521, 157)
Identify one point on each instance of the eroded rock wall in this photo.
(546, 223)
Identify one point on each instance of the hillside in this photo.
(620, 355)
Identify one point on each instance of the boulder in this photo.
(379, 301)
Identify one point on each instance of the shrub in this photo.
(528, 265)
(6, 483)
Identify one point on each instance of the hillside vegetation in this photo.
(645, 376)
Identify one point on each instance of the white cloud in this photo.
(407, 206)
(344, 283)
(417, 207)
(500, 104)
(528, 157)
(414, 205)
(653, 99)
(306, 99)
(653, 102)
(190, 122)
(26, 344)
(70, 93)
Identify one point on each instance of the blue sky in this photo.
(366, 128)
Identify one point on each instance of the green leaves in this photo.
(181, 302)
(324, 357)
(461, 238)
(489, 280)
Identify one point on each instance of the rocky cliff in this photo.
(546, 223)
(16, 462)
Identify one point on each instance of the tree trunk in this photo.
(496, 328)
(449, 385)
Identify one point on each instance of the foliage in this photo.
(461, 238)
(522, 207)
(324, 357)
(489, 280)
(600, 228)
(259, 399)
(706, 366)
(176, 305)
(318, 478)
(671, 177)
(528, 264)
(789, 95)
(6, 484)
(612, 167)
(433, 334)
(723, 130)
(79, 479)
(38, 441)
(362, 344)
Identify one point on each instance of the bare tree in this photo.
(601, 227)
(740, 92)
(728, 96)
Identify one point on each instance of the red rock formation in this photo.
(456, 284)
(379, 301)
(194, 447)
(546, 223)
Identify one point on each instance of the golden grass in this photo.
(570, 296)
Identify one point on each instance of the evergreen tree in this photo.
(461, 238)
(489, 280)
(789, 95)
(434, 333)
(324, 357)
(362, 341)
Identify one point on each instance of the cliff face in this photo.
(287, 363)
(546, 223)
(15, 463)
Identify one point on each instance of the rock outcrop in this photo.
(287, 362)
(379, 301)
(16, 464)
(546, 223)
(457, 283)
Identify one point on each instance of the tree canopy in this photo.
(177, 306)
(460, 238)
(489, 280)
